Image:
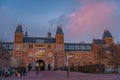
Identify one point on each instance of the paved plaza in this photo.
(62, 75)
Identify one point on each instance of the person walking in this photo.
(37, 68)
(24, 71)
(49, 66)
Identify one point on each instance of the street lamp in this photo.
(67, 63)
(33, 58)
(105, 64)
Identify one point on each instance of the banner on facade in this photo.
(40, 52)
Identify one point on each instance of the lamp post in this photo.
(33, 58)
(105, 65)
(67, 63)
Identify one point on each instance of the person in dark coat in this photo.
(24, 71)
(21, 71)
(49, 67)
(6, 74)
(37, 68)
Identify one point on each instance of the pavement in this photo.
(62, 75)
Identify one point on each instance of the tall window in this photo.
(11, 46)
(83, 47)
(39, 40)
(66, 47)
(78, 64)
(88, 47)
(71, 47)
(77, 47)
(59, 47)
(30, 46)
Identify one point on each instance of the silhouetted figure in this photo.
(16, 73)
(37, 68)
(24, 71)
(0, 73)
(49, 67)
(21, 71)
(29, 66)
(3, 72)
(6, 74)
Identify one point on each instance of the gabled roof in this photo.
(38, 40)
(99, 41)
(107, 34)
(19, 29)
(78, 47)
(59, 30)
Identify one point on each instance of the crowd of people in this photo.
(21, 71)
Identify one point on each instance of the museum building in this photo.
(53, 51)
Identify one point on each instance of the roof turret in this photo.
(107, 34)
(19, 29)
(59, 30)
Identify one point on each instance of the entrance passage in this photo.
(41, 64)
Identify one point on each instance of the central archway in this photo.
(42, 64)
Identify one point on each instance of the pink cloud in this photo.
(91, 17)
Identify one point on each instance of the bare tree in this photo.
(116, 56)
(1, 47)
(100, 54)
(100, 59)
(4, 54)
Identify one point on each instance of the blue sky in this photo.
(40, 15)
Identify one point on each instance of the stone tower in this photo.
(60, 56)
(18, 44)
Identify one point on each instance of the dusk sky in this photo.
(81, 20)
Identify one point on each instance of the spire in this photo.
(107, 34)
(59, 29)
(49, 33)
(19, 29)
(26, 33)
